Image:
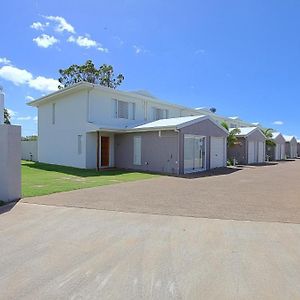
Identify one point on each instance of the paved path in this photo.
(263, 193)
(135, 241)
(70, 253)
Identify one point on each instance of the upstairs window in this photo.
(159, 113)
(124, 110)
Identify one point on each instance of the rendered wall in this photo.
(29, 150)
(10, 162)
(58, 143)
(159, 153)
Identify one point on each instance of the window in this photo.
(123, 109)
(137, 150)
(159, 113)
(233, 125)
(53, 113)
(79, 144)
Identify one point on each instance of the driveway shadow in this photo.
(213, 172)
(7, 207)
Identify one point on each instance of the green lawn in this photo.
(44, 179)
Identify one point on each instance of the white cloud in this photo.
(35, 119)
(29, 98)
(23, 118)
(15, 75)
(39, 25)
(61, 24)
(86, 42)
(4, 61)
(41, 83)
(23, 77)
(45, 40)
(278, 122)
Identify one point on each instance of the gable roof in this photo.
(289, 138)
(275, 134)
(246, 131)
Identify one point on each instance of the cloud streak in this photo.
(61, 24)
(278, 123)
(86, 42)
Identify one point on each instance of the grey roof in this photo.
(172, 122)
(245, 130)
(288, 138)
(163, 124)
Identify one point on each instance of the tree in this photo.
(269, 137)
(29, 138)
(104, 75)
(213, 110)
(232, 136)
(6, 116)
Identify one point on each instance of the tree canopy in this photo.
(269, 137)
(232, 137)
(104, 75)
(6, 117)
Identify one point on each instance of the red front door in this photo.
(104, 151)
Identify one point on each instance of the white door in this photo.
(277, 152)
(137, 150)
(261, 152)
(282, 152)
(194, 153)
(217, 152)
(251, 152)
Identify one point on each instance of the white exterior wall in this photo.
(101, 109)
(58, 143)
(29, 150)
(10, 162)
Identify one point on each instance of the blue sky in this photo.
(242, 57)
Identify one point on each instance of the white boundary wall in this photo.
(29, 150)
(10, 162)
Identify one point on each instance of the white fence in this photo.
(29, 150)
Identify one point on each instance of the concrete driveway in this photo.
(52, 251)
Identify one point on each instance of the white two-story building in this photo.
(91, 126)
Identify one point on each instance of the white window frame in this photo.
(131, 110)
(165, 113)
(137, 150)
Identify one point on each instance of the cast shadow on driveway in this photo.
(213, 172)
(7, 207)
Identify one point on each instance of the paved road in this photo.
(264, 193)
(136, 241)
(71, 253)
